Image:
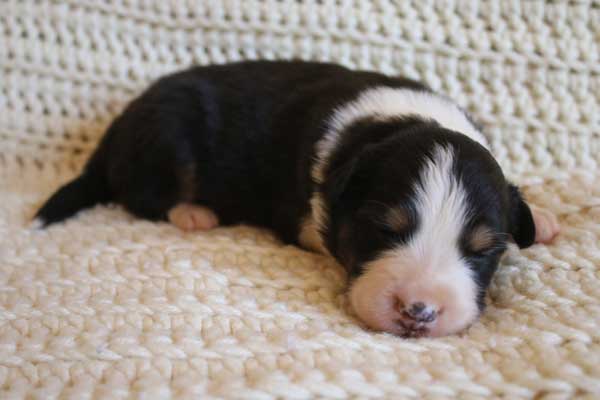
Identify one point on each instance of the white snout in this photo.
(415, 300)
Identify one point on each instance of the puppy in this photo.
(394, 181)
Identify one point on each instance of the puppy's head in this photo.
(420, 218)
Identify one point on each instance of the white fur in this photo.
(382, 102)
(429, 268)
(385, 103)
(36, 224)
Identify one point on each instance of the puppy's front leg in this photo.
(546, 225)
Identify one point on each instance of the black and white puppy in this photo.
(392, 180)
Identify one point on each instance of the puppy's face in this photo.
(421, 223)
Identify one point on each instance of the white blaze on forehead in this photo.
(443, 209)
(384, 103)
(429, 268)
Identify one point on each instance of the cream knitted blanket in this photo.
(108, 306)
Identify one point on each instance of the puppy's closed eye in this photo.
(397, 219)
(483, 240)
(387, 219)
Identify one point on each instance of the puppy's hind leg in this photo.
(170, 194)
(190, 217)
(185, 214)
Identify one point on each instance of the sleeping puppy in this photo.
(392, 180)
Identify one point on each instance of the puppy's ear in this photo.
(338, 180)
(521, 224)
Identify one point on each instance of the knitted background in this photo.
(112, 307)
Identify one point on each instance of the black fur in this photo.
(245, 130)
(240, 138)
(521, 225)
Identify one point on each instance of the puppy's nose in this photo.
(421, 312)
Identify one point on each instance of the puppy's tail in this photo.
(85, 191)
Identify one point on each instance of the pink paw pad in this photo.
(546, 225)
(191, 217)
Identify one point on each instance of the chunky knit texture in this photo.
(108, 306)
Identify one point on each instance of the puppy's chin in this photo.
(383, 295)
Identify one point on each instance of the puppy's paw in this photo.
(191, 217)
(546, 225)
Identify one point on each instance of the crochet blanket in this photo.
(109, 306)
